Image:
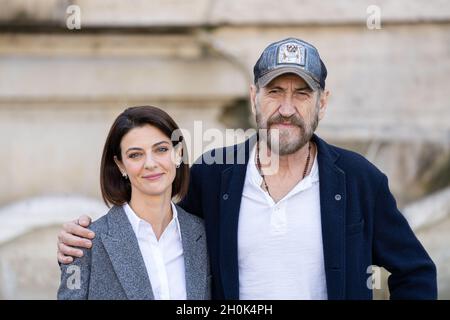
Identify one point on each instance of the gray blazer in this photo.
(114, 267)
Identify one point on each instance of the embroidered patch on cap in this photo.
(291, 52)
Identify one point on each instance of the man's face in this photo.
(289, 105)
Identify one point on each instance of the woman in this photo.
(146, 247)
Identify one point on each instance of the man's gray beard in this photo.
(290, 148)
(287, 147)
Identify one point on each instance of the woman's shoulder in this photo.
(101, 225)
(183, 215)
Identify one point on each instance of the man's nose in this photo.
(287, 107)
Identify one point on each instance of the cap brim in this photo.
(265, 79)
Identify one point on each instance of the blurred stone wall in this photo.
(61, 89)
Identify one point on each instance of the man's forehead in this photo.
(288, 78)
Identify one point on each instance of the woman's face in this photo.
(149, 160)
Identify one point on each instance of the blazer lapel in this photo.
(232, 185)
(194, 256)
(123, 250)
(332, 206)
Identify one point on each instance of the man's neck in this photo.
(292, 168)
(291, 164)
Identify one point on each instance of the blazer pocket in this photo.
(354, 228)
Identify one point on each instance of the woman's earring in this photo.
(125, 175)
(178, 165)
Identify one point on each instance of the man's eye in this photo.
(274, 91)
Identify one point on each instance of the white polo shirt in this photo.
(280, 251)
(164, 259)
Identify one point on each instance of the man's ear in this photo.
(253, 92)
(323, 103)
(120, 165)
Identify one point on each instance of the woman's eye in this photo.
(162, 149)
(134, 155)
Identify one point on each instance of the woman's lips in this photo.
(152, 177)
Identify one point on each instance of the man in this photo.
(312, 228)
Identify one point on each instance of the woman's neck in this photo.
(156, 210)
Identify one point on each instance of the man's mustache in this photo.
(292, 120)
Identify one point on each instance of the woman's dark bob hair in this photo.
(116, 189)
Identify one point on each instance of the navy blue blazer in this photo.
(361, 225)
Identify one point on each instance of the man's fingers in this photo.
(77, 230)
(69, 251)
(84, 221)
(70, 240)
(64, 259)
(74, 235)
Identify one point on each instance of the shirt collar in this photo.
(254, 175)
(135, 220)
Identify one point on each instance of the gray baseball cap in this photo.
(290, 55)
